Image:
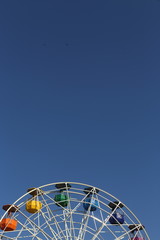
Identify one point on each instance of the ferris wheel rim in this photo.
(81, 184)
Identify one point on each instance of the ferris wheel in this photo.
(69, 211)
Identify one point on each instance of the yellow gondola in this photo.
(33, 205)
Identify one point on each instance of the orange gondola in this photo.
(9, 224)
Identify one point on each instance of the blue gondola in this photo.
(117, 218)
(90, 204)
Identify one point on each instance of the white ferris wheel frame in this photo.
(69, 230)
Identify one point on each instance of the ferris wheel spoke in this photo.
(104, 223)
(101, 213)
(66, 228)
(123, 235)
(86, 217)
(25, 229)
(3, 237)
(95, 224)
(84, 224)
(54, 234)
(72, 228)
(51, 217)
(46, 235)
(101, 228)
(78, 204)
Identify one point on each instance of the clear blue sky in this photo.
(79, 98)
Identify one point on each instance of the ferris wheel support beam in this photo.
(72, 229)
(85, 219)
(53, 217)
(34, 224)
